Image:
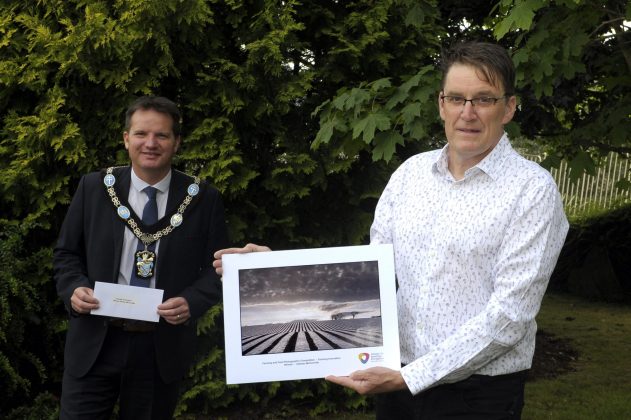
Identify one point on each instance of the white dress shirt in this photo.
(473, 259)
(137, 200)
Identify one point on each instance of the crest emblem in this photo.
(144, 263)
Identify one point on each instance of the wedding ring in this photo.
(178, 316)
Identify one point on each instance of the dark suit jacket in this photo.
(89, 250)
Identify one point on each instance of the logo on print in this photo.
(363, 357)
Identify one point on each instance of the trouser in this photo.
(478, 397)
(125, 370)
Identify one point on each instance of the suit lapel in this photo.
(177, 193)
(123, 180)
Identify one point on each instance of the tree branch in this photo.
(623, 150)
(618, 31)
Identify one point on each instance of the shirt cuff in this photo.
(416, 377)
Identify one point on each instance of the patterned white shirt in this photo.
(473, 258)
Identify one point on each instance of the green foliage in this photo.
(382, 116)
(44, 407)
(376, 116)
(594, 262)
(573, 73)
(29, 341)
(573, 63)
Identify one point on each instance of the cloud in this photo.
(333, 306)
(339, 282)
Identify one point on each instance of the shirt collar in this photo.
(490, 165)
(440, 166)
(493, 162)
(162, 185)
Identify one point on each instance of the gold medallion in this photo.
(145, 262)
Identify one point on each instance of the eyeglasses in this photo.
(481, 102)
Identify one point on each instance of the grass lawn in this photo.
(600, 386)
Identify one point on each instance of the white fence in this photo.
(593, 192)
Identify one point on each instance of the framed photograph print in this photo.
(309, 313)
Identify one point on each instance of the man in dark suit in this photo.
(104, 238)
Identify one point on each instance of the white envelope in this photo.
(130, 302)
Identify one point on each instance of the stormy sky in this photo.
(284, 294)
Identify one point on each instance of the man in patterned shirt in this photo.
(477, 230)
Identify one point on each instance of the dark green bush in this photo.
(595, 261)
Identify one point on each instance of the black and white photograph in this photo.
(308, 313)
(310, 308)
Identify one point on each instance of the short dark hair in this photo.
(490, 59)
(158, 104)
